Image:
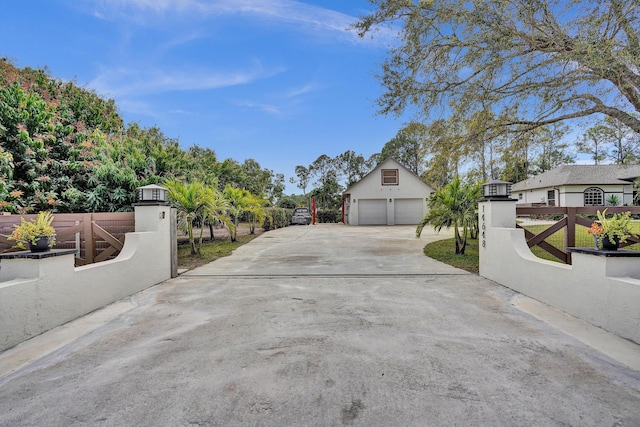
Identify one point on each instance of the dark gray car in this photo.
(301, 216)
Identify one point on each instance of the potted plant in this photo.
(38, 234)
(610, 232)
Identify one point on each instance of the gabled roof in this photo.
(379, 166)
(581, 175)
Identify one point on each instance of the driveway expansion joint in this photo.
(354, 276)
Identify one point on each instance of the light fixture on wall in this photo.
(390, 200)
(152, 195)
(496, 190)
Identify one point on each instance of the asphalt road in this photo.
(317, 326)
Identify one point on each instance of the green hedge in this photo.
(280, 217)
(277, 218)
(329, 215)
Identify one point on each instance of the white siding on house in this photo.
(408, 211)
(532, 196)
(374, 201)
(570, 183)
(627, 197)
(573, 195)
(372, 211)
(572, 199)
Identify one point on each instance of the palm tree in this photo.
(218, 212)
(453, 206)
(238, 201)
(193, 202)
(256, 211)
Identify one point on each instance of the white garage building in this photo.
(389, 195)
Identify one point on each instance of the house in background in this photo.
(579, 185)
(389, 195)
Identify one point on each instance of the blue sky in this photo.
(279, 81)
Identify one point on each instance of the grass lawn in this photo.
(210, 251)
(444, 250)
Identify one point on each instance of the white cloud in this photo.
(129, 82)
(267, 108)
(183, 112)
(121, 7)
(182, 39)
(306, 18)
(302, 90)
(138, 107)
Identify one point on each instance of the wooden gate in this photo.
(96, 236)
(569, 221)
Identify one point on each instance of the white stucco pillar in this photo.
(152, 217)
(498, 213)
(160, 218)
(493, 214)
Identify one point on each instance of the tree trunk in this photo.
(192, 241)
(473, 232)
(199, 249)
(234, 233)
(463, 245)
(252, 225)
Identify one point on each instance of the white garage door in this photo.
(408, 211)
(372, 211)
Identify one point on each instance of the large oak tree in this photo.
(535, 62)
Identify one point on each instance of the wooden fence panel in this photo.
(571, 218)
(96, 236)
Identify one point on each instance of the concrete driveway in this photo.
(317, 326)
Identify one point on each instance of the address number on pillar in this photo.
(483, 227)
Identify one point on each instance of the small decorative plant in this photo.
(613, 200)
(596, 229)
(616, 228)
(29, 232)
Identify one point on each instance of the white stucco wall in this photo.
(600, 290)
(38, 295)
(371, 188)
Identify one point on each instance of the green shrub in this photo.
(329, 215)
(277, 218)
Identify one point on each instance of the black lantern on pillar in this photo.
(496, 190)
(152, 195)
